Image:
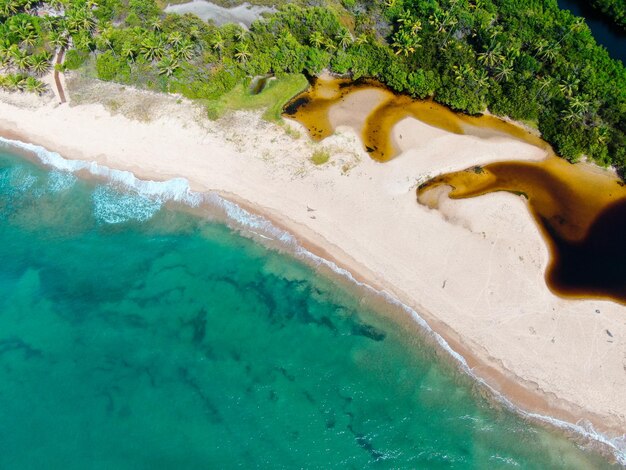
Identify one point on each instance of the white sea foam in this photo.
(113, 207)
(178, 190)
(18, 180)
(144, 200)
(60, 181)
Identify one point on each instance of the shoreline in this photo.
(521, 392)
(499, 386)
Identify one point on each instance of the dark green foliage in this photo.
(108, 10)
(526, 59)
(614, 9)
(144, 10)
(112, 67)
(74, 59)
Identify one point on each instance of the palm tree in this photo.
(492, 56)
(175, 38)
(580, 104)
(218, 43)
(80, 20)
(128, 51)
(404, 43)
(21, 28)
(16, 82)
(577, 110)
(41, 63)
(33, 85)
(408, 22)
(30, 39)
(550, 52)
(167, 66)
(152, 47)
(437, 20)
(8, 8)
(241, 53)
(545, 88)
(463, 73)
(194, 32)
(58, 5)
(184, 50)
(442, 21)
(344, 38)
(569, 85)
(504, 70)
(104, 39)
(316, 39)
(576, 26)
(570, 115)
(480, 79)
(329, 45)
(5, 61)
(58, 39)
(240, 34)
(5, 53)
(21, 59)
(156, 24)
(360, 39)
(540, 46)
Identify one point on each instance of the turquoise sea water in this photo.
(137, 336)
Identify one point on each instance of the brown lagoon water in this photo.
(312, 108)
(580, 210)
(581, 213)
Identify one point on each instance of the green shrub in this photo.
(320, 156)
(110, 67)
(74, 59)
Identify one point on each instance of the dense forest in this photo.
(526, 59)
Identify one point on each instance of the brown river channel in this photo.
(580, 209)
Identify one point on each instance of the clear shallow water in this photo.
(133, 336)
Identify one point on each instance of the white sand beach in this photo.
(474, 268)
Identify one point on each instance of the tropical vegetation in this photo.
(25, 50)
(524, 59)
